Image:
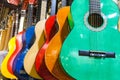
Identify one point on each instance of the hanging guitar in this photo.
(53, 50)
(19, 42)
(50, 58)
(4, 69)
(4, 25)
(50, 29)
(91, 50)
(29, 59)
(18, 68)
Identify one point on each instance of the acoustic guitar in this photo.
(9, 29)
(29, 59)
(50, 29)
(3, 25)
(91, 50)
(19, 42)
(19, 45)
(11, 47)
(53, 49)
(4, 69)
(6, 24)
(18, 68)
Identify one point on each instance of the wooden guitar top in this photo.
(31, 54)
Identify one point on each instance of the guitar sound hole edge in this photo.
(96, 28)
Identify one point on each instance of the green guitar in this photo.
(92, 49)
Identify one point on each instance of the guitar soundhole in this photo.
(95, 20)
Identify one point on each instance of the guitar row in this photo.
(76, 42)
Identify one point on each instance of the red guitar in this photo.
(51, 29)
(19, 45)
(19, 42)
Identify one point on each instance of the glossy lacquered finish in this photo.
(19, 46)
(82, 38)
(29, 59)
(50, 30)
(4, 70)
(18, 68)
(53, 50)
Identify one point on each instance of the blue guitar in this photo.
(28, 40)
(18, 68)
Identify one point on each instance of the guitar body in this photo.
(50, 29)
(4, 69)
(29, 59)
(18, 68)
(97, 43)
(19, 46)
(53, 49)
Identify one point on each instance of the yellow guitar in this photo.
(4, 70)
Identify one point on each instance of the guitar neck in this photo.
(30, 15)
(94, 6)
(16, 23)
(23, 15)
(38, 13)
(64, 3)
(53, 7)
(43, 9)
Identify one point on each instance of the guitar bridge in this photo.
(97, 54)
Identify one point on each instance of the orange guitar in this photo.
(53, 49)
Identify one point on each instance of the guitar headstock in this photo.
(32, 1)
(14, 2)
(25, 4)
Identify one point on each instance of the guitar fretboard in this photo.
(30, 15)
(94, 6)
(43, 10)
